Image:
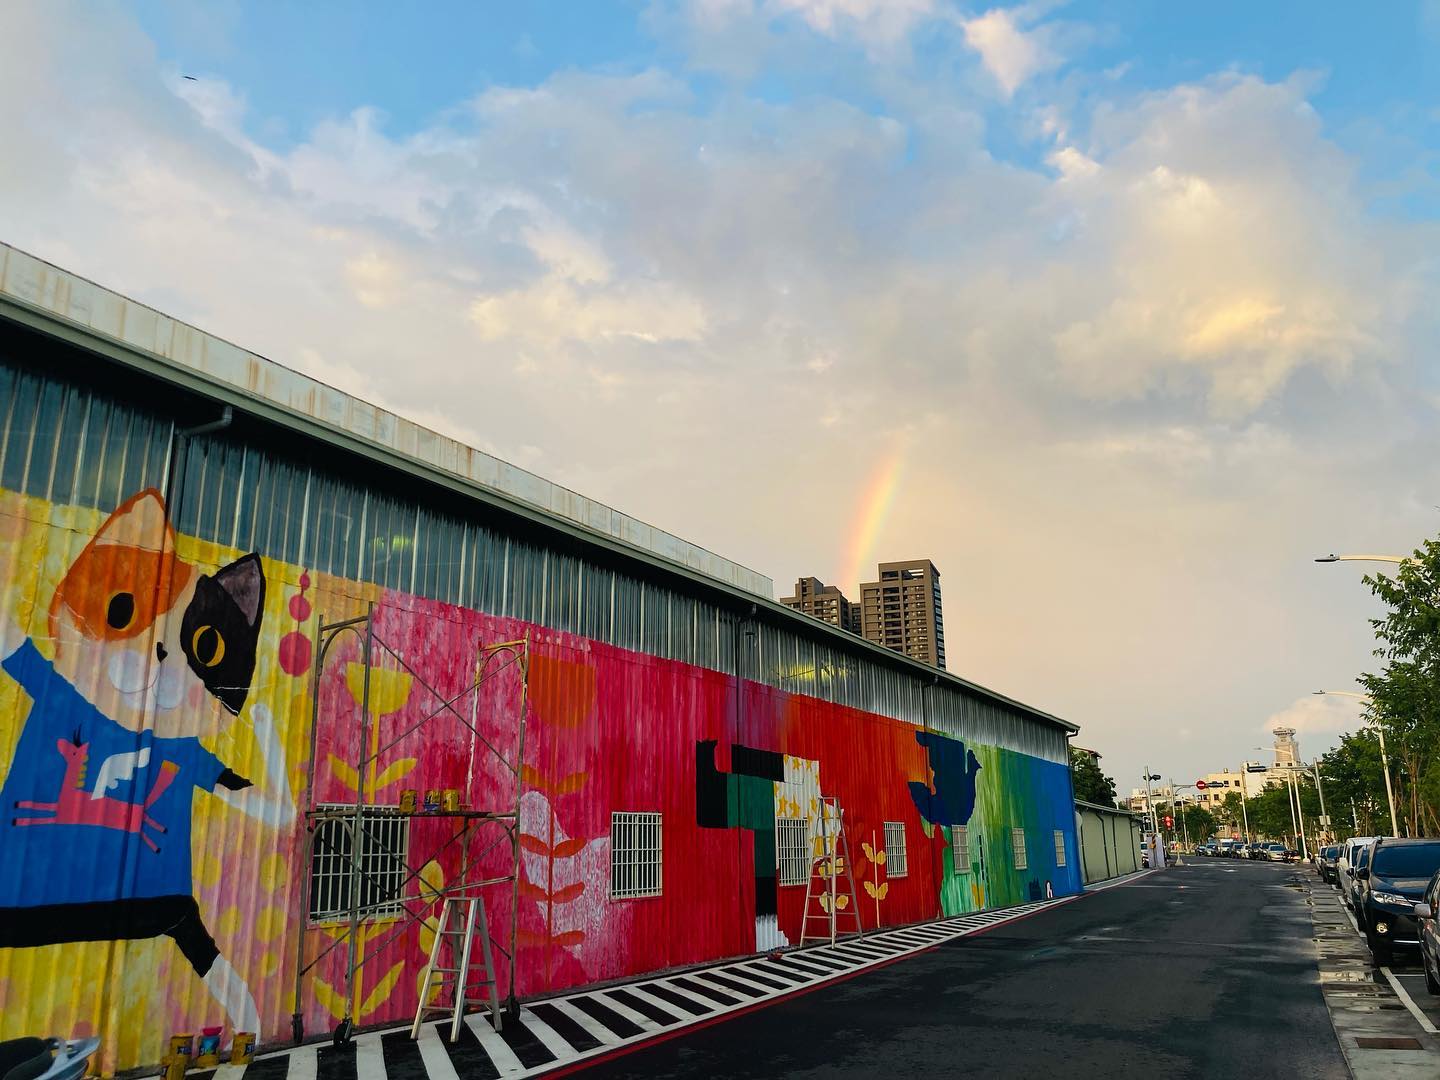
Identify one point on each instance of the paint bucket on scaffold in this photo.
(450, 800)
(409, 800)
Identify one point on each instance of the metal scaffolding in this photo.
(370, 896)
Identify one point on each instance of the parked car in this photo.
(1276, 852)
(1352, 887)
(1346, 862)
(1326, 863)
(1255, 851)
(1394, 880)
(1427, 913)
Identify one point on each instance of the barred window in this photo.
(895, 865)
(635, 867)
(1059, 848)
(1017, 843)
(960, 848)
(384, 855)
(792, 850)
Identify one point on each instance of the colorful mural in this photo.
(155, 715)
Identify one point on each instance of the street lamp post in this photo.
(1324, 817)
(1384, 757)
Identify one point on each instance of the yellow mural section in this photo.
(134, 993)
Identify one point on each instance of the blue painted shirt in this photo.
(90, 810)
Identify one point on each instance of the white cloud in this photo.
(1144, 381)
(1012, 55)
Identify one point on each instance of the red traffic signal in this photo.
(1169, 822)
(1201, 784)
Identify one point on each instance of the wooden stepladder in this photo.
(824, 889)
(462, 920)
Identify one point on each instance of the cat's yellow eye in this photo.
(120, 612)
(207, 646)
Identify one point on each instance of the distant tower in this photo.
(901, 611)
(1287, 750)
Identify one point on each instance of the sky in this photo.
(1119, 312)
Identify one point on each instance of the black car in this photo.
(1353, 889)
(1327, 865)
(1393, 882)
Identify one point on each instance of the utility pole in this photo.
(1245, 798)
(1300, 811)
(1149, 805)
(1324, 817)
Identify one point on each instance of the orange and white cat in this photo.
(150, 655)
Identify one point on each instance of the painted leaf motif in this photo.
(882, 890)
(566, 848)
(432, 881)
(569, 938)
(530, 891)
(568, 893)
(534, 778)
(571, 784)
(396, 770)
(326, 996)
(879, 857)
(841, 901)
(529, 937)
(381, 992)
(870, 889)
(428, 927)
(346, 775)
(868, 850)
(534, 844)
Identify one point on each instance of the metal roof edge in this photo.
(1109, 809)
(45, 320)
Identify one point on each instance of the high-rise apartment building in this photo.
(824, 602)
(901, 611)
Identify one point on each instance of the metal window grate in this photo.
(635, 855)
(1059, 848)
(384, 864)
(960, 848)
(1017, 844)
(895, 864)
(792, 850)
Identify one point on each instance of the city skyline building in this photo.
(824, 602)
(902, 610)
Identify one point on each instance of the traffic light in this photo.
(1169, 822)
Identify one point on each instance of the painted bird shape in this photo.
(956, 771)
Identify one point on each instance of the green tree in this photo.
(1200, 823)
(1091, 784)
(1405, 694)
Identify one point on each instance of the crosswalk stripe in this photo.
(651, 994)
(302, 1063)
(661, 1014)
(499, 1051)
(553, 1040)
(737, 985)
(228, 1071)
(369, 1059)
(705, 992)
(625, 1011)
(661, 989)
(437, 1062)
(754, 976)
(637, 1010)
(593, 1027)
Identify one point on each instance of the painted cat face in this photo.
(150, 640)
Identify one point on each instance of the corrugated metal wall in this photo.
(62, 442)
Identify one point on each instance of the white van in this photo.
(1346, 860)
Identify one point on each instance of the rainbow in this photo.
(870, 511)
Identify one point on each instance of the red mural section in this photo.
(608, 731)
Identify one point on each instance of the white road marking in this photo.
(437, 1062)
(553, 1040)
(302, 1063)
(227, 1071)
(499, 1051)
(1415, 1010)
(369, 1059)
(590, 1024)
(639, 1019)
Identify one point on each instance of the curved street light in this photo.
(1384, 756)
(1396, 559)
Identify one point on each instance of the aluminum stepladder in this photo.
(828, 868)
(461, 918)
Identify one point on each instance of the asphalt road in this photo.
(1186, 973)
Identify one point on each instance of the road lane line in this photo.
(1404, 996)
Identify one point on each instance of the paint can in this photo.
(409, 799)
(450, 801)
(207, 1053)
(175, 1066)
(242, 1050)
(432, 800)
(182, 1046)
